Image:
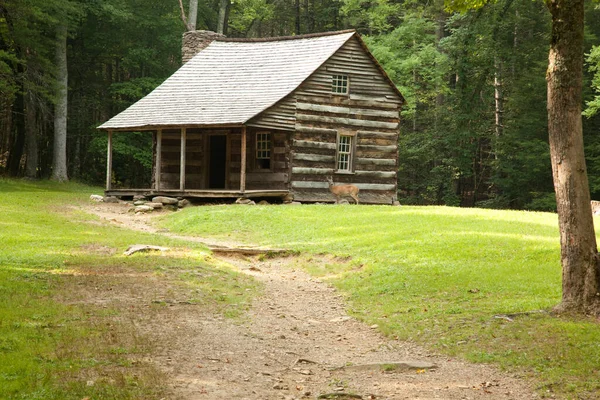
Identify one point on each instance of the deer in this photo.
(342, 190)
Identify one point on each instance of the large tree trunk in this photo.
(224, 6)
(192, 15)
(17, 139)
(297, 12)
(31, 137)
(579, 256)
(59, 160)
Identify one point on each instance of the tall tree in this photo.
(579, 255)
(59, 160)
(223, 21)
(193, 15)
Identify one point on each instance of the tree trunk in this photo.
(223, 16)
(498, 99)
(297, 11)
(16, 140)
(59, 160)
(579, 255)
(31, 137)
(192, 15)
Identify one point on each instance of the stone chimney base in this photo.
(195, 41)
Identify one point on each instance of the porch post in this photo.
(243, 162)
(158, 159)
(182, 162)
(109, 151)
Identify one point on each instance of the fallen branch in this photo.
(511, 317)
(248, 251)
(143, 247)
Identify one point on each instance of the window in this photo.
(263, 150)
(339, 84)
(344, 153)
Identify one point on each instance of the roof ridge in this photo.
(280, 38)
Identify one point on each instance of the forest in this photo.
(474, 128)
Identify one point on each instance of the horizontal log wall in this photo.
(370, 112)
(281, 116)
(276, 178)
(170, 159)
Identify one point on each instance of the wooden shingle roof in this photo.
(231, 81)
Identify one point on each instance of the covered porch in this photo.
(210, 162)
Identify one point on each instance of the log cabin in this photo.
(270, 117)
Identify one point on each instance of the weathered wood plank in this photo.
(109, 161)
(355, 100)
(325, 185)
(182, 161)
(312, 171)
(334, 109)
(376, 174)
(265, 177)
(383, 149)
(375, 161)
(314, 145)
(158, 158)
(243, 161)
(314, 157)
(377, 135)
(346, 121)
(312, 129)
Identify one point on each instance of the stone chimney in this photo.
(195, 41)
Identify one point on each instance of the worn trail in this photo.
(297, 342)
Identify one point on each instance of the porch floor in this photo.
(209, 193)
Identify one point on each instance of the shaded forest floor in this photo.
(296, 341)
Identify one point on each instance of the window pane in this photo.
(344, 161)
(339, 84)
(263, 150)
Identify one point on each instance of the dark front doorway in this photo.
(217, 166)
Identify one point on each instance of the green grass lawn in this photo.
(438, 276)
(49, 348)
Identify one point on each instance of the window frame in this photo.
(337, 82)
(257, 151)
(351, 152)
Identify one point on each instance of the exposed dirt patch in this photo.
(296, 341)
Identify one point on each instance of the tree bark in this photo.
(59, 160)
(17, 139)
(297, 12)
(498, 99)
(579, 255)
(192, 15)
(31, 137)
(223, 16)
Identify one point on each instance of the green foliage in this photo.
(438, 276)
(593, 60)
(132, 159)
(372, 17)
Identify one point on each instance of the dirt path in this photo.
(297, 343)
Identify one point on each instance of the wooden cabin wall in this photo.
(370, 112)
(170, 159)
(194, 159)
(277, 178)
(281, 116)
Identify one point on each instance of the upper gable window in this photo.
(339, 84)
